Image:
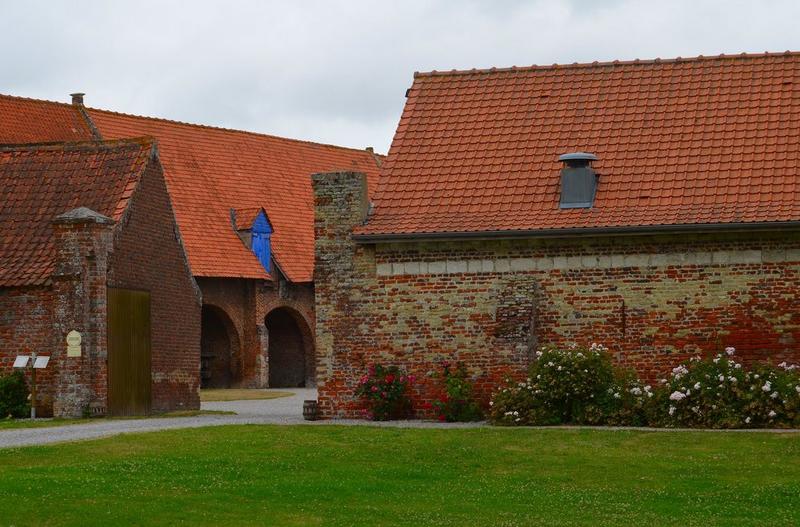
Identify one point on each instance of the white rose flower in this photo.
(677, 396)
(697, 386)
(772, 413)
(730, 350)
(671, 410)
(767, 387)
(747, 420)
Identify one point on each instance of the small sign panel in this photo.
(73, 344)
(21, 361)
(41, 362)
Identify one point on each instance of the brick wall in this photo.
(26, 325)
(652, 300)
(83, 244)
(148, 255)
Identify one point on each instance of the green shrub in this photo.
(457, 403)
(576, 385)
(580, 386)
(14, 395)
(384, 393)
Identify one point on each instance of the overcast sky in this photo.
(333, 71)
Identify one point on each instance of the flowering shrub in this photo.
(384, 392)
(576, 385)
(456, 404)
(772, 398)
(581, 387)
(702, 393)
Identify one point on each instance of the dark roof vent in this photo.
(578, 180)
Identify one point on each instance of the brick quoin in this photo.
(653, 300)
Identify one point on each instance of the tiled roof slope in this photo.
(40, 182)
(33, 121)
(682, 141)
(212, 170)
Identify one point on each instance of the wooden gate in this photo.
(129, 377)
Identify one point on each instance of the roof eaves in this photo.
(577, 232)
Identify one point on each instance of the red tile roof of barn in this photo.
(33, 121)
(40, 182)
(683, 141)
(211, 170)
(245, 217)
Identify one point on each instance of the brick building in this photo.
(652, 206)
(244, 207)
(87, 236)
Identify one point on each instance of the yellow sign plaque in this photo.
(73, 344)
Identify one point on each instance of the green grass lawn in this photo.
(310, 475)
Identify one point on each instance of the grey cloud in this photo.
(336, 71)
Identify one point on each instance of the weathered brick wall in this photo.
(148, 255)
(652, 300)
(26, 325)
(83, 243)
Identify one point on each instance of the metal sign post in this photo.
(36, 363)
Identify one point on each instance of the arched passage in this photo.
(290, 349)
(219, 349)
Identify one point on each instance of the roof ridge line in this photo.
(675, 60)
(224, 129)
(142, 141)
(32, 99)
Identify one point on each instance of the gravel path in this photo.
(281, 411)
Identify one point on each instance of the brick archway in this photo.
(219, 349)
(290, 349)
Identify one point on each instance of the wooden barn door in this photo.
(129, 375)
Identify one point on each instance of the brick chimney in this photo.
(77, 98)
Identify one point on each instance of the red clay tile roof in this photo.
(683, 141)
(33, 121)
(40, 182)
(211, 170)
(246, 216)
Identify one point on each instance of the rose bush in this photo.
(576, 385)
(580, 386)
(384, 393)
(456, 403)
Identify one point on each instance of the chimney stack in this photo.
(77, 98)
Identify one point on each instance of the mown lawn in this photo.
(329, 475)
